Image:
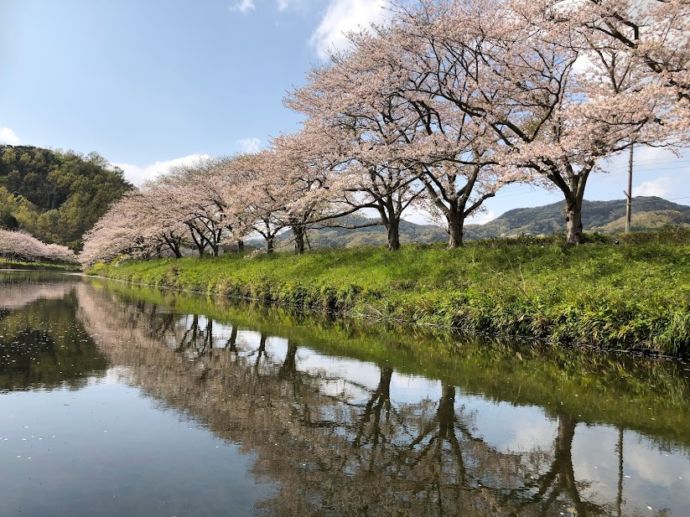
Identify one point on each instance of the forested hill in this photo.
(599, 216)
(55, 196)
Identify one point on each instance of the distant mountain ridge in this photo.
(598, 216)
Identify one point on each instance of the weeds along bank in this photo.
(633, 296)
(38, 266)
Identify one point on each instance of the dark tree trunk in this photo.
(240, 246)
(298, 231)
(573, 221)
(446, 412)
(261, 352)
(393, 234)
(199, 242)
(270, 244)
(289, 367)
(232, 340)
(456, 227)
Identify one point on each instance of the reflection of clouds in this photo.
(511, 428)
(248, 338)
(531, 434)
(656, 466)
(276, 348)
(595, 459)
(353, 377)
(409, 389)
(651, 476)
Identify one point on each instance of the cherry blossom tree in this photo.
(24, 247)
(308, 179)
(356, 103)
(403, 141)
(520, 58)
(116, 234)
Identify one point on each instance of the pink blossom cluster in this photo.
(24, 247)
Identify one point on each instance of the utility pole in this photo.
(628, 194)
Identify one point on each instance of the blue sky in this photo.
(151, 83)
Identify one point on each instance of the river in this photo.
(117, 400)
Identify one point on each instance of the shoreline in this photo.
(610, 316)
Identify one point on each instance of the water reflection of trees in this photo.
(13, 296)
(41, 343)
(332, 450)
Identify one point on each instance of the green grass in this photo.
(15, 264)
(635, 295)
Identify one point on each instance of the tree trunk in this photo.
(393, 234)
(456, 227)
(573, 222)
(289, 367)
(240, 246)
(270, 244)
(298, 232)
(175, 248)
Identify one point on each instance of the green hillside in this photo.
(597, 216)
(55, 196)
(649, 213)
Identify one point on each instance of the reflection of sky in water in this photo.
(507, 427)
(652, 477)
(158, 467)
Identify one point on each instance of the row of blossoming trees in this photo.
(439, 109)
(22, 246)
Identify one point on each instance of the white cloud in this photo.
(661, 187)
(672, 174)
(140, 174)
(243, 6)
(343, 16)
(482, 217)
(300, 5)
(7, 136)
(250, 145)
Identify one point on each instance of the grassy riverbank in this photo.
(42, 266)
(634, 295)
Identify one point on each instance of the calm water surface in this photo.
(116, 401)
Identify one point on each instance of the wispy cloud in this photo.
(7, 136)
(483, 217)
(140, 174)
(302, 5)
(250, 145)
(343, 16)
(243, 6)
(672, 174)
(661, 187)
